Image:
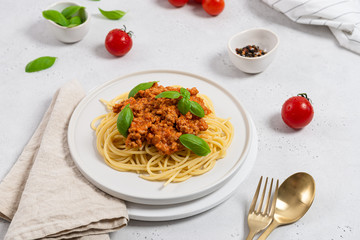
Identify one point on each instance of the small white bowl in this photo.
(265, 39)
(65, 34)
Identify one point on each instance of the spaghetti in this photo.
(150, 162)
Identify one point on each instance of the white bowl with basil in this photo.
(68, 21)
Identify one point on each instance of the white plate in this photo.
(182, 210)
(129, 186)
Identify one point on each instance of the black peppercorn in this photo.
(250, 51)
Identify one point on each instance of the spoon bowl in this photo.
(295, 196)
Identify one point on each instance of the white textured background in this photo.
(309, 60)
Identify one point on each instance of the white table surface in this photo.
(187, 39)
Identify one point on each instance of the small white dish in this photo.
(265, 39)
(65, 34)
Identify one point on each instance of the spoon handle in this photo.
(266, 233)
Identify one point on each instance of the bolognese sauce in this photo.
(158, 121)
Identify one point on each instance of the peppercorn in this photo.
(250, 51)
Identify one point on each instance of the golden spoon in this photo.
(295, 197)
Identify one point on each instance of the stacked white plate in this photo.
(147, 200)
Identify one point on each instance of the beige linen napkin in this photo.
(45, 196)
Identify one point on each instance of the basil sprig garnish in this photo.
(195, 144)
(185, 93)
(112, 15)
(185, 104)
(124, 120)
(71, 16)
(39, 64)
(141, 86)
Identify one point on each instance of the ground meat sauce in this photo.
(158, 121)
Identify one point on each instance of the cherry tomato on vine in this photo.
(297, 111)
(178, 3)
(118, 42)
(213, 7)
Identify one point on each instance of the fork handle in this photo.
(251, 235)
(271, 227)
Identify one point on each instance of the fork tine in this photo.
(262, 197)
(268, 198)
(253, 203)
(273, 204)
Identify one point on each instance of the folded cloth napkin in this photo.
(45, 196)
(341, 16)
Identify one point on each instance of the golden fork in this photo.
(258, 220)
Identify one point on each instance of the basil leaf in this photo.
(141, 86)
(56, 17)
(82, 14)
(70, 11)
(113, 15)
(195, 144)
(73, 25)
(184, 106)
(168, 94)
(74, 21)
(124, 120)
(197, 109)
(39, 64)
(185, 93)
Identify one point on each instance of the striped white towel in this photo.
(341, 16)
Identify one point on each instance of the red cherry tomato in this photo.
(178, 3)
(198, 1)
(213, 7)
(297, 112)
(118, 42)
